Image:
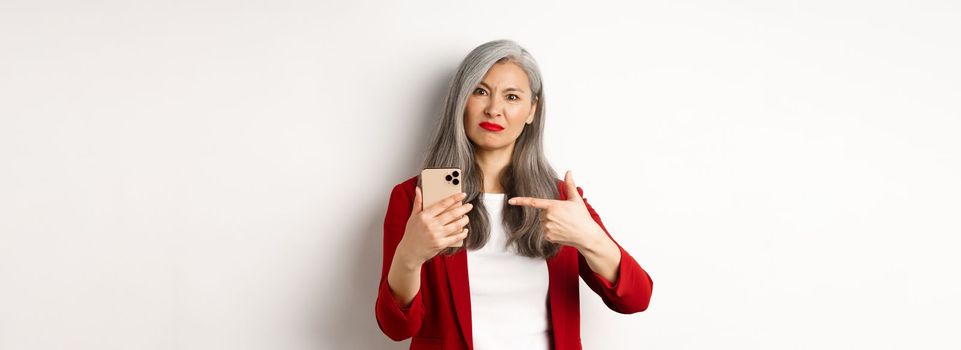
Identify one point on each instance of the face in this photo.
(499, 107)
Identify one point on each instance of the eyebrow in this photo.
(507, 89)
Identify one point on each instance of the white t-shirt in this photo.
(508, 292)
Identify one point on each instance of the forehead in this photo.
(506, 75)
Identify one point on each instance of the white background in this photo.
(214, 174)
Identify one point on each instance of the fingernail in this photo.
(511, 201)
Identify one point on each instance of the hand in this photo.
(565, 222)
(431, 230)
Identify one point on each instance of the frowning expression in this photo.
(499, 107)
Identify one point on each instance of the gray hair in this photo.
(529, 174)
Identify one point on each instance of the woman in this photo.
(513, 284)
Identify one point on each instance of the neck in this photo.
(492, 163)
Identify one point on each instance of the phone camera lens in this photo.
(455, 173)
(456, 181)
(448, 178)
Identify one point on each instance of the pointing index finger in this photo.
(538, 203)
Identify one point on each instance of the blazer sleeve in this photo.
(396, 321)
(631, 291)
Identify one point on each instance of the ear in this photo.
(530, 118)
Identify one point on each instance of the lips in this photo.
(491, 126)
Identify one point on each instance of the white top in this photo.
(508, 292)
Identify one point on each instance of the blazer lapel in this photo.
(554, 268)
(562, 293)
(460, 288)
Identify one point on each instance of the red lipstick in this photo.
(491, 126)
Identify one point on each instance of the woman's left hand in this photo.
(565, 222)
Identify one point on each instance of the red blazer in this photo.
(439, 317)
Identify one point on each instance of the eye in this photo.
(513, 97)
(480, 91)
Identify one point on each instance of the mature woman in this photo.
(513, 283)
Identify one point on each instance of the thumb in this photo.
(418, 200)
(572, 194)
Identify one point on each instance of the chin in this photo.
(490, 141)
(490, 147)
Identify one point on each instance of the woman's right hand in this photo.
(430, 230)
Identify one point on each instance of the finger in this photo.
(418, 200)
(572, 194)
(453, 239)
(455, 212)
(457, 225)
(538, 203)
(445, 203)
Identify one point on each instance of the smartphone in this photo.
(439, 183)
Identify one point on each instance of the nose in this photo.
(494, 108)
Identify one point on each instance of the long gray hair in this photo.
(529, 174)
